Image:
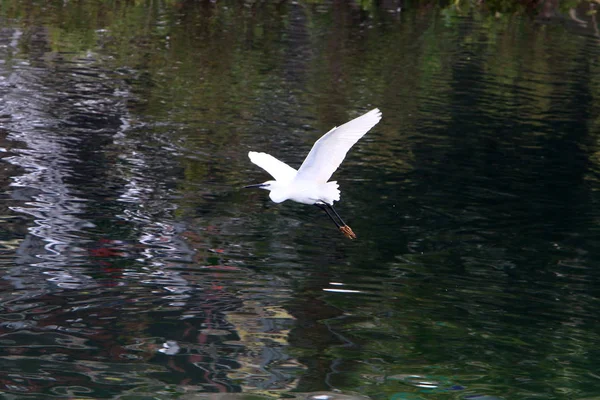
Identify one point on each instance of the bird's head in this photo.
(277, 189)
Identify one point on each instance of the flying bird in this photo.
(309, 184)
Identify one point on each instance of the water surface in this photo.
(134, 266)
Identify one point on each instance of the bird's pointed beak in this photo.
(257, 185)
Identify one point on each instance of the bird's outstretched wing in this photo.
(278, 169)
(330, 150)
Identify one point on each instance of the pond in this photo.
(134, 265)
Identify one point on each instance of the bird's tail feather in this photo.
(331, 192)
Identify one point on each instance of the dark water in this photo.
(134, 266)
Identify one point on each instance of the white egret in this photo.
(309, 185)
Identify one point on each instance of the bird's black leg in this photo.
(324, 208)
(330, 211)
(336, 214)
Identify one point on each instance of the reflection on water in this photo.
(133, 266)
(106, 278)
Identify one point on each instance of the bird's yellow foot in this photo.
(347, 231)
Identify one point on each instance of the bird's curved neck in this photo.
(279, 191)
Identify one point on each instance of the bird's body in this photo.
(310, 183)
(306, 192)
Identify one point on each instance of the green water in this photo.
(135, 267)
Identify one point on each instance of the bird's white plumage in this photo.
(330, 150)
(277, 169)
(309, 184)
